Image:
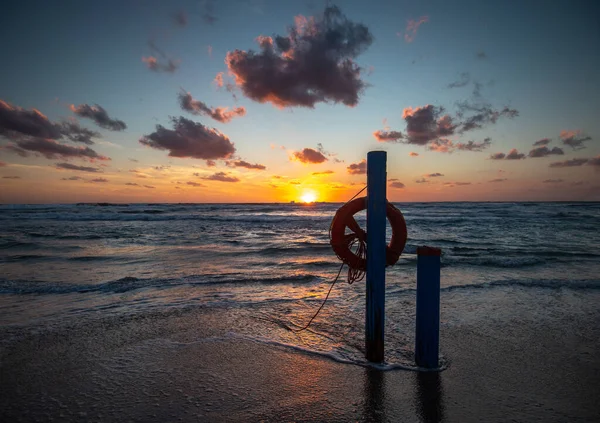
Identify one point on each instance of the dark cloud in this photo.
(190, 139)
(76, 133)
(498, 180)
(433, 175)
(99, 116)
(313, 63)
(72, 178)
(195, 184)
(424, 124)
(132, 184)
(422, 181)
(514, 155)
(474, 146)
(242, 163)
(52, 149)
(462, 183)
(481, 55)
(543, 141)
(411, 28)
(594, 161)
(482, 115)
(574, 139)
(464, 80)
(387, 136)
(569, 163)
(221, 176)
(181, 18)
(326, 172)
(14, 119)
(553, 181)
(70, 166)
(149, 186)
(497, 156)
(211, 163)
(397, 184)
(99, 180)
(359, 168)
(153, 64)
(196, 107)
(11, 177)
(544, 151)
(208, 11)
(308, 155)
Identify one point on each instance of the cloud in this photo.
(70, 166)
(211, 163)
(422, 181)
(481, 55)
(594, 161)
(196, 107)
(574, 139)
(359, 168)
(397, 184)
(181, 19)
(72, 178)
(442, 145)
(242, 163)
(569, 163)
(484, 115)
(99, 116)
(133, 160)
(52, 149)
(308, 155)
(552, 181)
(325, 172)
(544, 151)
(132, 184)
(514, 155)
(474, 146)
(464, 80)
(99, 180)
(313, 63)
(190, 139)
(195, 184)
(454, 184)
(26, 122)
(498, 180)
(208, 12)
(149, 186)
(543, 141)
(412, 26)
(497, 156)
(76, 133)
(153, 64)
(221, 176)
(433, 175)
(413, 154)
(387, 136)
(424, 124)
(11, 177)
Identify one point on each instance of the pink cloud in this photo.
(412, 27)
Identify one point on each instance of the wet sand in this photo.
(187, 366)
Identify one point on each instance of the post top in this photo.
(429, 251)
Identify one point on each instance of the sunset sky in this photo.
(269, 101)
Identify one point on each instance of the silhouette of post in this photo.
(427, 337)
(376, 246)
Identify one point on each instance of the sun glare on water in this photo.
(308, 197)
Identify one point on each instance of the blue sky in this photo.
(538, 58)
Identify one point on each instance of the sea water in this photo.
(270, 265)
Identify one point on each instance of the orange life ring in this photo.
(340, 241)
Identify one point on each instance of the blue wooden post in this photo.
(376, 222)
(427, 337)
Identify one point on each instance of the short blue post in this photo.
(427, 337)
(376, 222)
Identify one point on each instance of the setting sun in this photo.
(308, 197)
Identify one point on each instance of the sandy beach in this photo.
(189, 365)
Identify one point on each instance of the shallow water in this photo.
(271, 264)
